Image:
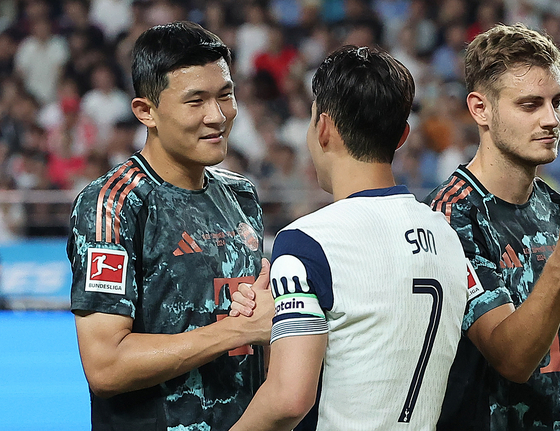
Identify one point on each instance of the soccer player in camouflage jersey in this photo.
(506, 375)
(158, 245)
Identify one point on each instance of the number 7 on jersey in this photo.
(431, 287)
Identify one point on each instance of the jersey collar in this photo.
(463, 172)
(387, 191)
(143, 164)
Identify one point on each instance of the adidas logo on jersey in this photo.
(510, 259)
(186, 245)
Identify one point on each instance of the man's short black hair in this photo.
(368, 94)
(165, 48)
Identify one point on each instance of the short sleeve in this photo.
(103, 271)
(475, 242)
(301, 284)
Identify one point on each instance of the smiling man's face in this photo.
(195, 114)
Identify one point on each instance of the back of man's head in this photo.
(501, 48)
(368, 94)
(165, 48)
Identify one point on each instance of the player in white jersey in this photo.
(370, 290)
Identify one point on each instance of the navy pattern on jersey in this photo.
(301, 298)
(186, 251)
(508, 246)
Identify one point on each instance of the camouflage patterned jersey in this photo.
(508, 246)
(169, 258)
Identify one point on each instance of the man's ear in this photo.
(325, 129)
(143, 110)
(404, 135)
(478, 107)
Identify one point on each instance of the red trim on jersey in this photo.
(450, 192)
(122, 197)
(99, 218)
(442, 191)
(466, 191)
(104, 217)
(111, 200)
(448, 195)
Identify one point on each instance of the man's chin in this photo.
(215, 161)
(547, 159)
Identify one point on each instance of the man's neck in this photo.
(354, 176)
(503, 178)
(173, 171)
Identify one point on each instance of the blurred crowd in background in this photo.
(65, 91)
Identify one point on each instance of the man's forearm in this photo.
(290, 389)
(516, 345)
(130, 361)
(264, 415)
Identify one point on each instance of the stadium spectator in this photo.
(105, 103)
(69, 142)
(251, 37)
(40, 58)
(112, 16)
(313, 28)
(277, 59)
(75, 18)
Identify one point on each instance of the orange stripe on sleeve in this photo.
(111, 199)
(450, 193)
(122, 197)
(466, 191)
(99, 208)
(442, 191)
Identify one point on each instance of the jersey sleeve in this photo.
(102, 252)
(301, 284)
(491, 291)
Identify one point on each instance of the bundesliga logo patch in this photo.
(474, 285)
(106, 271)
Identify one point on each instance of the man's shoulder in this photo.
(544, 189)
(457, 195)
(120, 181)
(233, 180)
(315, 220)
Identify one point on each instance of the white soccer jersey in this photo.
(386, 278)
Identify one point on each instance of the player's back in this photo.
(399, 286)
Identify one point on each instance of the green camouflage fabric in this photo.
(169, 258)
(508, 246)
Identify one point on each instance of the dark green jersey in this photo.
(508, 246)
(169, 258)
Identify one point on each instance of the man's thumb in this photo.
(263, 279)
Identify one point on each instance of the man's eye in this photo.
(528, 106)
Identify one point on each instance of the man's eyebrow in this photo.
(528, 98)
(533, 98)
